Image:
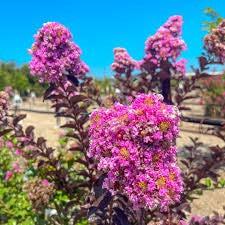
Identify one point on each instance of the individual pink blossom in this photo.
(8, 175)
(18, 152)
(30, 148)
(16, 167)
(9, 144)
(135, 146)
(45, 182)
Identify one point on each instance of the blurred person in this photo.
(32, 98)
(181, 87)
(58, 119)
(57, 115)
(17, 102)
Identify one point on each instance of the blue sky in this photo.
(98, 26)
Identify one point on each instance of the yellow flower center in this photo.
(171, 193)
(156, 158)
(123, 118)
(124, 153)
(59, 33)
(148, 101)
(142, 185)
(139, 112)
(172, 176)
(34, 48)
(164, 126)
(144, 133)
(161, 182)
(95, 118)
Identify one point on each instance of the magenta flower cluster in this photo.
(135, 146)
(54, 54)
(165, 45)
(180, 67)
(215, 42)
(122, 61)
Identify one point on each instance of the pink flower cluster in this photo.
(122, 61)
(54, 54)
(9, 144)
(15, 169)
(180, 67)
(9, 90)
(215, 42)
(8, 175)
(165, 45)
(135, 145)
(4, 104)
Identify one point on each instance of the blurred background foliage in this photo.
(214, 19)
(19, 79)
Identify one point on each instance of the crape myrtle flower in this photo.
(122, 61)
(215, 42)
(4, 106)
(165, 45)
(135, 146)
(4, 102)
(55, 55)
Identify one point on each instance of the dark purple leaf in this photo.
(29, 131)
(97, 187)
(202, 62)
(17, 119)
(98, 208)
(120, 218)
(77, 98)
(69, 125)
(73, 80)
(184, 108)
(60, 105)
(3, 132)
(48, 92)
(41, 141)
(185, 162)
(76, 149)
(73, 135)
(54, 97)
(81, 161)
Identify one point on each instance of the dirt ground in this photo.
(210, 201)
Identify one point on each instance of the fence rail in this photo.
(205, 121)
(189, 119)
